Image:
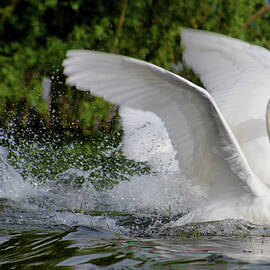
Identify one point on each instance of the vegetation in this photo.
(35, 35)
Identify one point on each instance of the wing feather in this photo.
(232, 69)
(237, 75)
(205, 145)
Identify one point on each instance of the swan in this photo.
(220, 135)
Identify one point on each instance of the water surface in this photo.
(143, 223)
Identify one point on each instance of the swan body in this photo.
(219, 136)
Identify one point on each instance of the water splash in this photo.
(162, 202)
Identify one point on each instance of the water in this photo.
(132, 226)
(147, 222)
(90, 248)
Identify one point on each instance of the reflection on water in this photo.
(88, 248)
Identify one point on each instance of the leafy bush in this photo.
(34, 38)
(35, 35)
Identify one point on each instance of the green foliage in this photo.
(35, 35)
(34, 38)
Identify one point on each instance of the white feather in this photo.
(146, 139)
(207, 150)
(237, 75)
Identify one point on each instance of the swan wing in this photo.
(206, 148)
(237, 74)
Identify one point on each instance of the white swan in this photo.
(220, 137)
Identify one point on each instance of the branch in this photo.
(256, 15)
(119, 28)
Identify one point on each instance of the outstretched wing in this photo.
(207, 150)
(237, 75)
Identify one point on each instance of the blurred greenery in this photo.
(35, 36)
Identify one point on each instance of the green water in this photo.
(88, 248)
